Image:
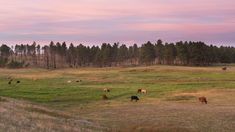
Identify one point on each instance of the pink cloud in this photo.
(184, 27)
(109, 18)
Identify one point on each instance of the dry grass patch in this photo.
(216, 96)
(2, 99)
(26, 117)
(47, 112)
(181, 98)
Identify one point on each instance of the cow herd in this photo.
(107, 90)
(144, 91)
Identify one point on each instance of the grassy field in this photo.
(170, 104)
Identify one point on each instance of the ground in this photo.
(45, 100)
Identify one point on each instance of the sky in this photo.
(125, 21)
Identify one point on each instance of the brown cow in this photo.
(224, 68)
(139, 90)
(79, 81)
(104, 97)
(202, 100)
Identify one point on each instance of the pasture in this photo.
(171, 103)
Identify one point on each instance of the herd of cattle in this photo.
(105, 97)
(134, 97)
(144, 91)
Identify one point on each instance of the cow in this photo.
(202, 100)
(224, 68)
(104, 97)
(143, 91)
(10, 81)
(139, 90)
(134, 98)
(17, 81)
(106, 90)
(79, 81)
(69, 81)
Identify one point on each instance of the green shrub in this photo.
(15, 64)
(3, 62)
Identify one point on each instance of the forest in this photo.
(61, 55)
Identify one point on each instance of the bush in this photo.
(15, 64)
(3, 62)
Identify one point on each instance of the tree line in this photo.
(61, 55)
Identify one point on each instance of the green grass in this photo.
(51, 87)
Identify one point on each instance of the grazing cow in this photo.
(79, 81)
(202, 100)
(10, 81)
(69, 81)
(139, 90)
(134, 98)
(18, 82)
(106, 90)
(143, 91)
(104, 97)
(224, 68)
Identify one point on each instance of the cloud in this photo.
(97, 21)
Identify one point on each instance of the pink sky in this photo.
(125, 21)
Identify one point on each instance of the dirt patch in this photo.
(2, 110)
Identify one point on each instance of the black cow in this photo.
(134, 98)
(10, 81)
(18, 82)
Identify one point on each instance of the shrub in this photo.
(3, 62)
(15, 64)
